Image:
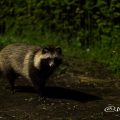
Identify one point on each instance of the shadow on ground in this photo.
(61, 93)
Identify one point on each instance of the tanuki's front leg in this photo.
(39, 85)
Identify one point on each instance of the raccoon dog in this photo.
(32, 62)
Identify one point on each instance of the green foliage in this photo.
(84, 20)
(76, 25)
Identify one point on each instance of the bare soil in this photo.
(78, 91)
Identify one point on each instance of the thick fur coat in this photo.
(33, 62)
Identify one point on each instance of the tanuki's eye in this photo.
(44, 51)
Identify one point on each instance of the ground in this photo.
(78, 91)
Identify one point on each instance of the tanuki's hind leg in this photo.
(11, 79)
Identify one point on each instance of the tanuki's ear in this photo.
(45, 50)
(58, 50)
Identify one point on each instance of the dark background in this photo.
(88, 81)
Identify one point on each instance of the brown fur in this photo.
(27, 61)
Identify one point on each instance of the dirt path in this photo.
(79, 91)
